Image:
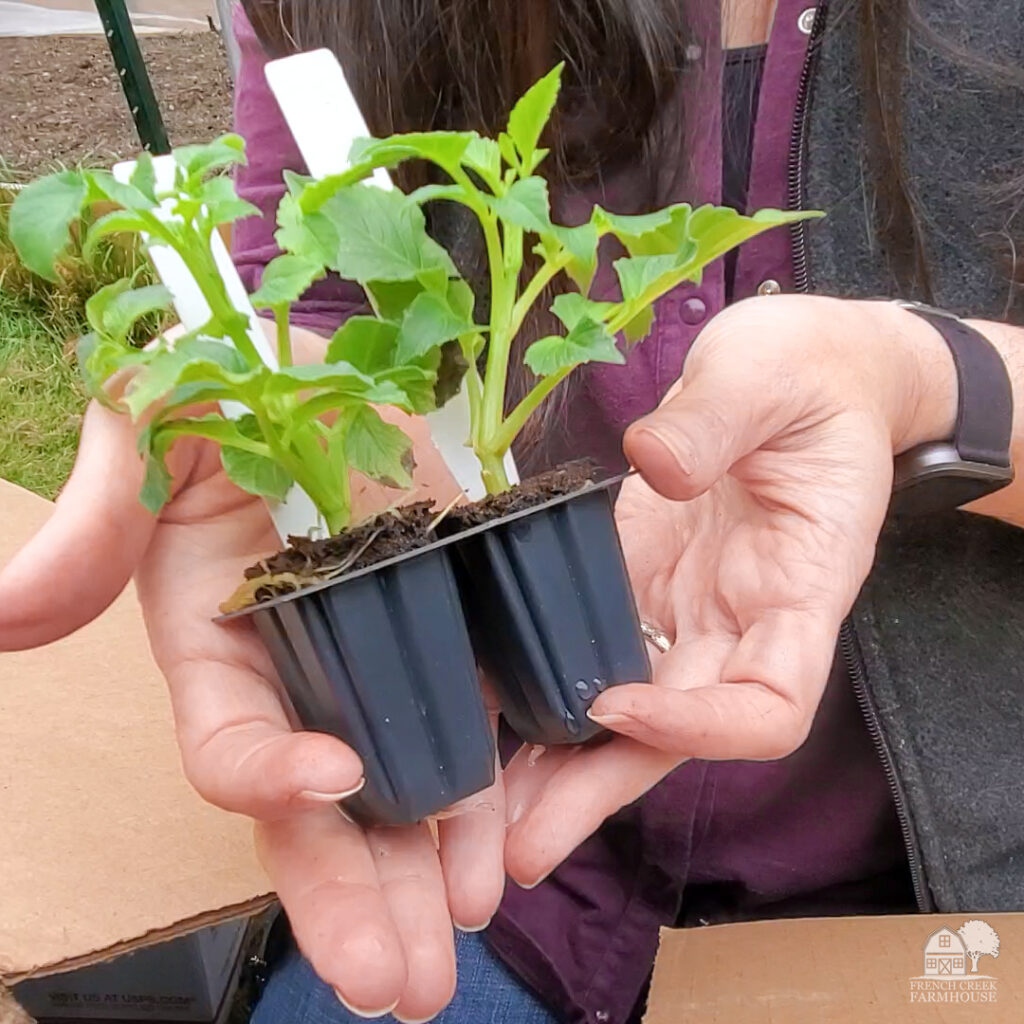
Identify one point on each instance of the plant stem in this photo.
(516, 419)
(494, 477)
(284, 336)
(532, 291)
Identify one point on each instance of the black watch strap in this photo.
(944, 475)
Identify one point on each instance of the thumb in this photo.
(708, 422)
(82, 557)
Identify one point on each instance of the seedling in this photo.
(304, 424)
(375, 239)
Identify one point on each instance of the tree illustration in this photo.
(980, 940)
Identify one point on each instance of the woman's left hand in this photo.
(765, 479)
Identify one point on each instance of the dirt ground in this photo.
(61, 99)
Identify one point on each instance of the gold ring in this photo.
(658, 638)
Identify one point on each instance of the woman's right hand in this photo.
(371, 909)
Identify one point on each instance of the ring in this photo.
(658, 638)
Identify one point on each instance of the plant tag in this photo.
(296, 515)
(313, 94)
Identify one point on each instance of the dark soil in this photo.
(566, 479)
(306, 562)
(61, 100)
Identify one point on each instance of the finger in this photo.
(410, 878)
(472, 845)
(238, 748)
(761, 708)
(720, 412)
(81, 559)
(586, 788)
(326, 877)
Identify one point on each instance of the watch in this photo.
(945, 475)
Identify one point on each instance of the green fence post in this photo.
(138, 89)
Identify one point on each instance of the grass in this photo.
(41, 398)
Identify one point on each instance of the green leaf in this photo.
(581, 242)
(443, 148)
(370, 345)
(640, 326)
(99, 358)
(144, 176)
(41, 217)
(638, 273)
(113, 223)
(587, 342)
(197, 161)
(223, 206)
(571, 308)
(284, 280)
(184, 360)
(530, 115)
(507, 149)
(156, 484)
(124, 195)
(364, 342)
(526, 205)
(429, 322)
(374, 234)
(255, 474)
(310, 236)
(338, 377)
(378, 450)
(648, 234)
(114, 310)
(484, 156)
(717, 229)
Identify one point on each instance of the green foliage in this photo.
(312, 424)
(307, 424)
(373, 237)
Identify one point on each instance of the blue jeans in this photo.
(487, 993)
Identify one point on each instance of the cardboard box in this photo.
(189, 979)
(863, 970)
(104, 847)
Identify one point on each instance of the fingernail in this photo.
(533, 885)
(478, 928)
(516, 813)
(364, 1014)
(609, 720)
(331, 798)
(416, 1020)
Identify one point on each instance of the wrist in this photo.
(924, 386)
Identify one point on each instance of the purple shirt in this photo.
(811, 833)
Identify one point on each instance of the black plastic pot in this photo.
(382, 659)
(552, 613)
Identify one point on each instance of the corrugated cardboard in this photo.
(864, 970)
(103, 845)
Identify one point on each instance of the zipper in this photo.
(855, 667)
(848, 646)
(798, 149)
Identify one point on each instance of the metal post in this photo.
(224, 23)
(138, 89)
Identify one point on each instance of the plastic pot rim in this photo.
(436, 545)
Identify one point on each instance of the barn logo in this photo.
(950, 965)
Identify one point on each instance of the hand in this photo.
(372, 910)
(766, 476)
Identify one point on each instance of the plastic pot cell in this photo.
(552, 613)
(382, 660)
